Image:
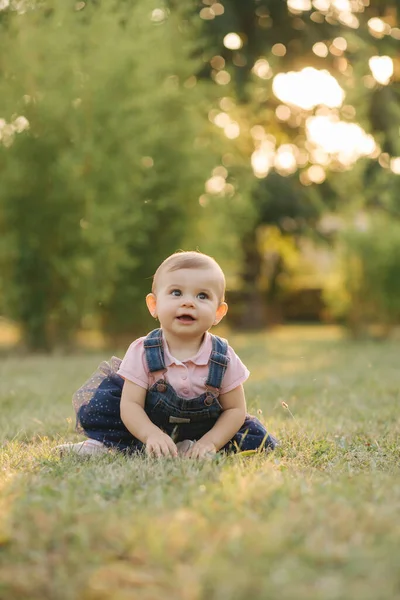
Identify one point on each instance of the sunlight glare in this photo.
(262, 159)
(349, 19)
(308, 88)
(381, 68)
(215, 185)
(320, 157)
(8, 130)
(207, 13)
(20, 124)
(262, 69)
(285, 159)
(299, 5)
(278, 49)
(320, 49)
(384, 160)
(233, 41)
(346, 142)
(227, 103)
(340, 43)
(220, 171)
(222, 78)
(283, 112)
(222, 120)
(395, 165)
(217, 62)
(378, 26)
(261, 163)
(395, 33)
(158, 15)
(230, 127)
(342, 5)
(322, 4)
(316, 174)
(257, 132)
(218, 9)
(232, 130)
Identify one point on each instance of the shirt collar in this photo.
(200, 358)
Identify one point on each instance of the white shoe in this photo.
(88, 447)
(184, 446)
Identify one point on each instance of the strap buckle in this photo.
(212, 394)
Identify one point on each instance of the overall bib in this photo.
(97, 404)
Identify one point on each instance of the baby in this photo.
(179, 390)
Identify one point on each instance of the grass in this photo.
(316, 520)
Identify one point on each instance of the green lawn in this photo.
(318, 519)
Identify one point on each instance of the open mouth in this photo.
(186, 318)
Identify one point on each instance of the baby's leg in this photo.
(251, 436)
(100, 418)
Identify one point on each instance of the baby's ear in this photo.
(151, 302)
(221, 312)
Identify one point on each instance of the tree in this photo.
(97, 164)
(245, 45)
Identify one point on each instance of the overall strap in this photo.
(154, 351)
(217, 365)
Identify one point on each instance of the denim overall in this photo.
(180, 418)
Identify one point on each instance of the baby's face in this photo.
(187, 300)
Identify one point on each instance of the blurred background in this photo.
(263, 132)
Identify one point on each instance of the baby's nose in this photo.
(187, 301)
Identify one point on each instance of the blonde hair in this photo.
(190, 260)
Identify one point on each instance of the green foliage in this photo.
(100, 187)
(366, 290)
(106, 180)
(261, 24)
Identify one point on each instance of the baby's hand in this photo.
(160, 444)
(201, 450)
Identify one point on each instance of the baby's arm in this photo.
(138, 423)
(232, 418)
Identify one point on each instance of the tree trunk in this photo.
(254, 309)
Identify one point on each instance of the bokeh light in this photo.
(345, 142)
(232, 130)
(278, 50)
(308, 88)
(8, 130)
(262, 159)
(316, 174)
(299, 5)
(381, 68)
(262, 69)
(158, 15)
(395, 165)
(378, 28)
(320, 49)
(222, 119)
(283, 112)
(207, 13)
(233, 41)
(285, 159)
(215, 185)
(222, 77)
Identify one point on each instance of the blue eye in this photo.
(176, 293)
(202, 296)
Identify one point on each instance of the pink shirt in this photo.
(188, 377)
